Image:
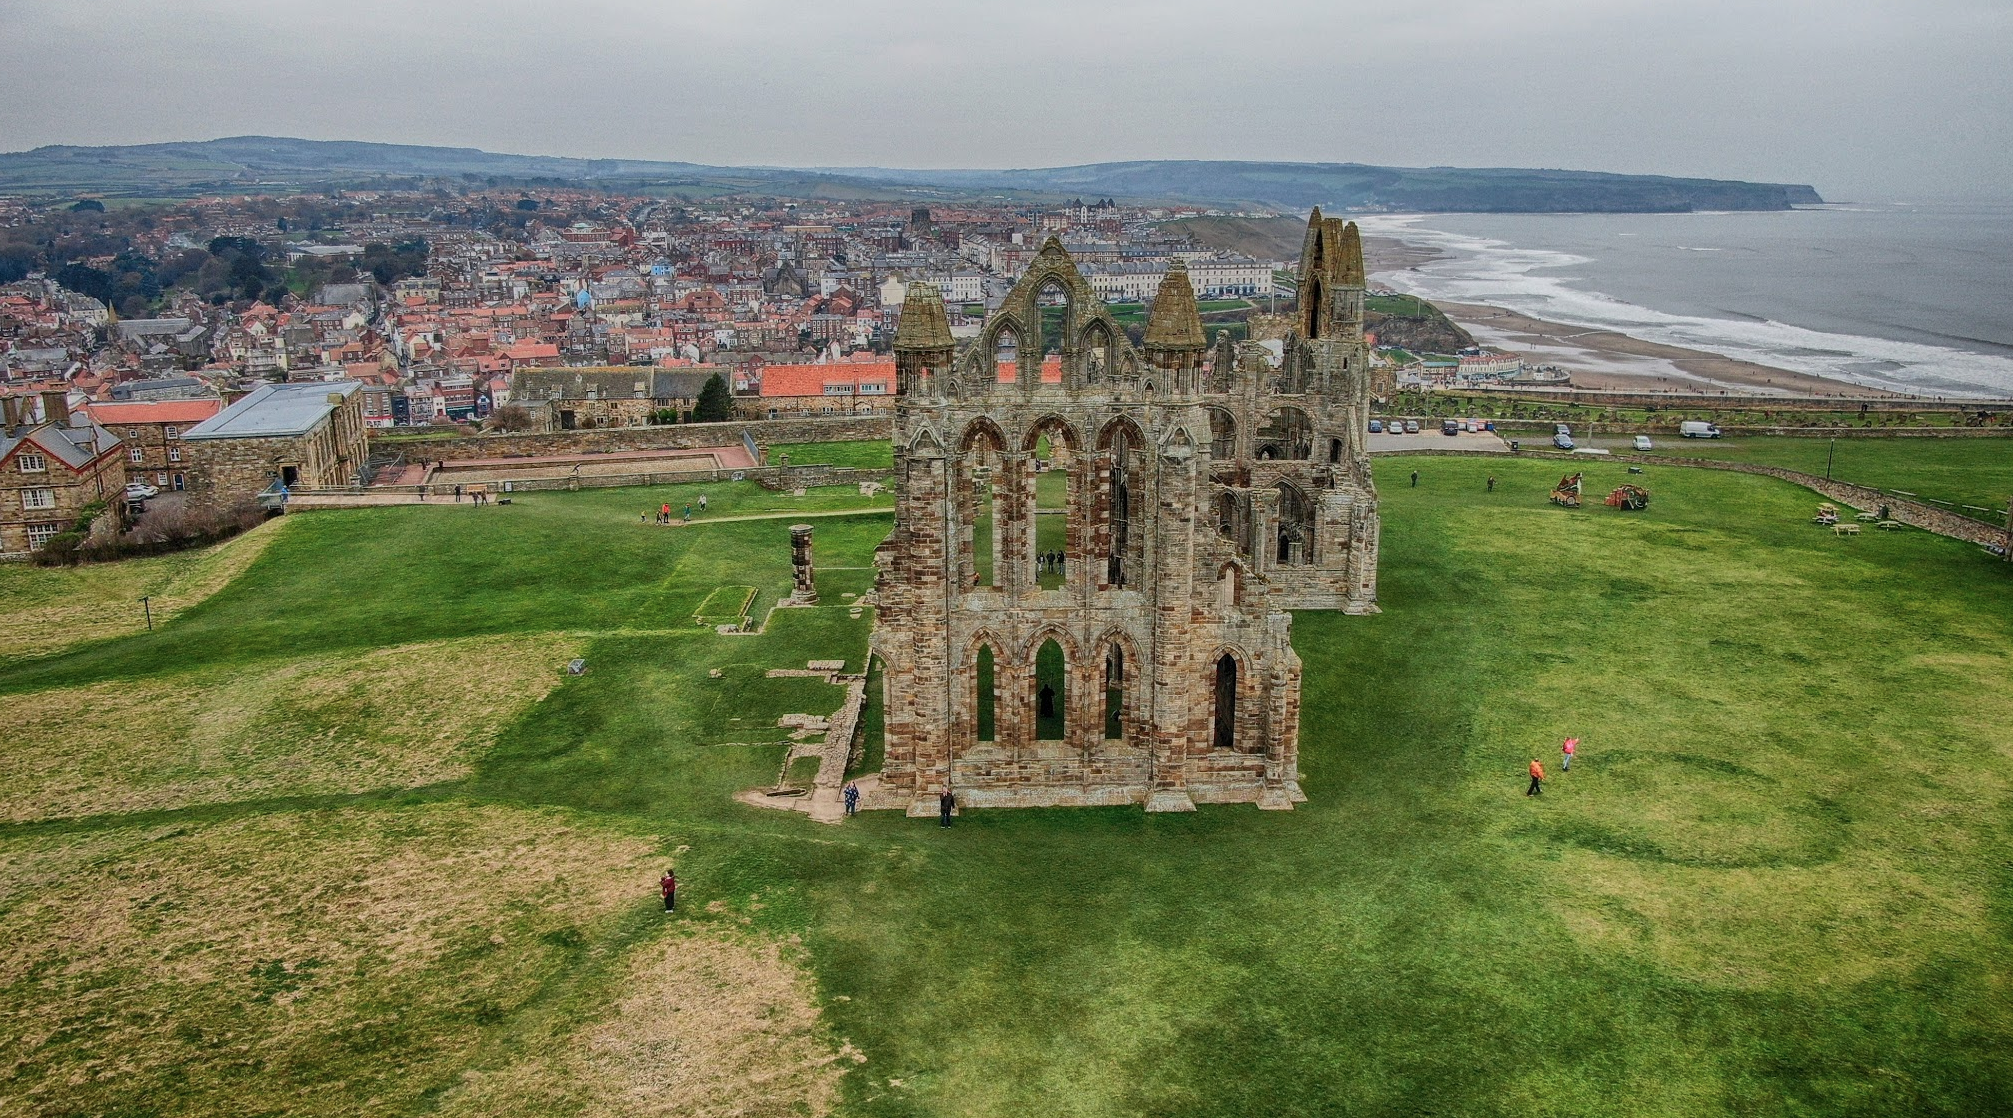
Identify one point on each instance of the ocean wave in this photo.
(1476, 269)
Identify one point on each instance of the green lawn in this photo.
(865, 453)
(1776, 881)
(1964, 471)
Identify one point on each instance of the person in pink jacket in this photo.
(1572, 745)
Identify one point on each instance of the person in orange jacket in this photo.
(1537, 779)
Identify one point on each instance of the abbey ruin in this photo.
(1084, 599)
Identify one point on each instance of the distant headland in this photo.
(251, 164)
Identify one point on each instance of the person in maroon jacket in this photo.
(670, 887)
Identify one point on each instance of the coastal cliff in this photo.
(1413, 324)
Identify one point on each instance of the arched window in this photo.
(1097, 353)
(1006, 353)
(1296, 527)
(1334, 451)
(1225, 736)
(1114, 693)
(979, 475)
(1051, 692)
(1122, 447)
(987, 694)
(1054, 520)
(1052, 303)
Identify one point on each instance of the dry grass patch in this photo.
(50, 609)
(312, 963)
(404, 716)
(706, 1025)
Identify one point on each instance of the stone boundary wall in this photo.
(1915, 513)
(1669, 429)
(1615, 399)
(679, 436)
(768, 477)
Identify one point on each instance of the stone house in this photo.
(1086, 598)
(152, 434)
(51, 468)
(304, 436)
(570, 399)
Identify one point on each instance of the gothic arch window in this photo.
(985, 688)
(1051, 692)
(1006, 352)
(1052, 530)
(979, 477)
(1098, 351)
(1052, 303)
(1296, 527)
(1224, 722)
(1121, 447)
(1114, 692)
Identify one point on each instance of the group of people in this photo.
(664, 511)
(1566, 751)
(1048, 562)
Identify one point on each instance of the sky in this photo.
(1867, 101)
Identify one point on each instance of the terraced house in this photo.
(51, 468)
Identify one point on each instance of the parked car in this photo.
(1376, 426)
(1450, 427)
(1643, 443)
(1698, 429)
(140, 491)
(1411, 426)
(1563, 442)
(1562, 429)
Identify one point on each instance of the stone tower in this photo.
(1084, 599)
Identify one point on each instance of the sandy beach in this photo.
(1604, 360)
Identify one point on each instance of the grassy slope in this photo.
(1775, 884)
(1961, 471)
(868, 453)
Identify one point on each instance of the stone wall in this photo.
(682, 436)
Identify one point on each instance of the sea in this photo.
(1910, 298)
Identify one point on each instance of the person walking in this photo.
(688, 514)
(852, 797)
(702, 502)
(669, 883)
(946, 804)
(1492, 483)
(1572, 746)
(1537, 787)
(1415, 479)
(664, 514)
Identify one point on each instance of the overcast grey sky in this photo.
(1865, 99)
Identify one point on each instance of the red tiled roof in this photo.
(1051, 371)
(810, 380)
(155, 411)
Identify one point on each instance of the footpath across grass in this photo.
(1773, 884)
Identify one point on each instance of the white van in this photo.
(1698, 429)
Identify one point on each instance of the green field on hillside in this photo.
(866, 453)
(1975, 472)
(342, 837)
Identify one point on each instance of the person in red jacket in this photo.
(670, 887)
(1537, 779)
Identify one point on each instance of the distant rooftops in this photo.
(276, 410)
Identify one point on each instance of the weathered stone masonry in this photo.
(1201, 496)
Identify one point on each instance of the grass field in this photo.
(1973, 471)
(1776, 881)
(869, 453)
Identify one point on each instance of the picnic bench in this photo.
(1845, 529)
(1890, 525)
(1867, 516)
